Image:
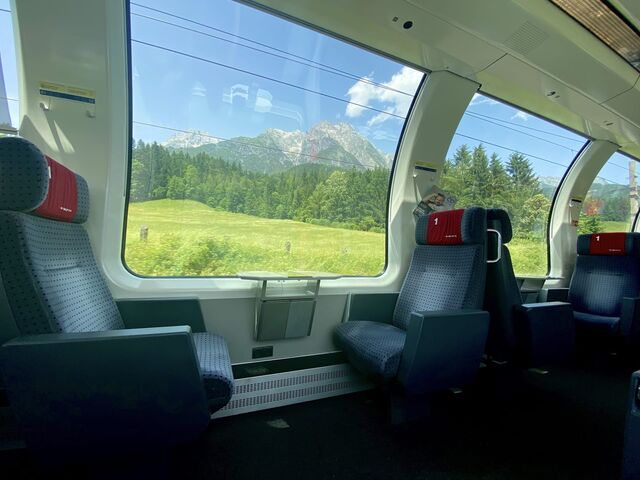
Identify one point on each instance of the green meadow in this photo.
(615, 226)
(187, 238)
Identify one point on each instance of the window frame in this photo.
(267, 11)
(632, 226)
(554, 201)
(13, 128)
(588, 140)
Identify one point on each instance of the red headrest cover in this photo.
(452, 227)
(608, 244)
(445, 228)
(61, 202)
(612, 244)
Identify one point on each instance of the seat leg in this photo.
(405, 408)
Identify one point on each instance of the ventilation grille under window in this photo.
(279, 389)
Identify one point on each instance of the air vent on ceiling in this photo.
(526, 38)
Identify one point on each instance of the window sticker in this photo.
(67, 92)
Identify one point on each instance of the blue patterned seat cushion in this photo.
(53, 285)
(600, 282)
(52, 281)
(587, 322)
(215, 365)
(441, 278)
(373, 348)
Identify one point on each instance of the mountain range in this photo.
(600, 185)
(555, 181)
(274, 150)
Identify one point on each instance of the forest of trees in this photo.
(356, 198)
(476, 178)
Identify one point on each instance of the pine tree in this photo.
(456, 175)
(499, 184)
(479, 180)
(523, 177)
(524, 185)
(532, 220)
(590, 223)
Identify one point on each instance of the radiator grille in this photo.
(279, 389)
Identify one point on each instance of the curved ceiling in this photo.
(530, 54)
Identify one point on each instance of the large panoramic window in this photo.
(612, 201)
(501, 157)
(258, 144)
(8, 72)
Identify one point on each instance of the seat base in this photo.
(546, 333)
(374, 348)
(599, 325)
(403, 408)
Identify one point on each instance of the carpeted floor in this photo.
(512, 425)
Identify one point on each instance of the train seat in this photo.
(74, 357)
(436, 335)
(605, 285)
(533, 334)
(631, 458)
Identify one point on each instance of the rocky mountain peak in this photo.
(338, 144)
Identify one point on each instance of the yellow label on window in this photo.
(67, 92)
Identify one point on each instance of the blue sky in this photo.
(8, 58)
(227, 103)
(203, 93)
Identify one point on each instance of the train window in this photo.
(8, 72)
(259, 144)
(503, 157)
(612, 201)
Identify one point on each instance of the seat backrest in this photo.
(48, 269)
(448, 266)
(607, 269)
(502, 294)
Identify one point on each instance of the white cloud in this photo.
(520, 115)
(482, 100)
(380, 117)
(378, 134)
(362, 93)
(387, 96)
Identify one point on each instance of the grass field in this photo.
(615, 226)
(529, 257)
(187, 238)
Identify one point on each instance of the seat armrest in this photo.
(546, 333)
(443, 349)
(105, 392)
(545, 306)
(374, 307)
(553, 295)
(630, 319)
